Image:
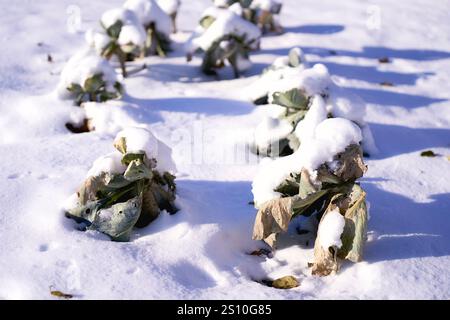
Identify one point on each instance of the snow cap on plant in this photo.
(259, 12)
(299, 98)
(283, 72)
(88, 77)
(228, 38)
(156, 22)
(170, 7)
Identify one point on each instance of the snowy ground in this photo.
(201, 252)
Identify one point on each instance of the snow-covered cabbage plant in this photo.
(122, 36)
(317, 181)
(127, 188)
(170, 7)
(157, 25)
(286, 67)
(260, 12)
(224, 38)
(298, 101)
(88, 77)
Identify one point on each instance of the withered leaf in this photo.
(150, 210)
(428, 153)
(121, 145)
(351, 164)
(353, 206)
(60, 294)
(272, 218)
(286, 282)
(88, 190)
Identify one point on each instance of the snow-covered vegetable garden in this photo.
(264, 149)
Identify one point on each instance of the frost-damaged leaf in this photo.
(274, 215)
(353, 206)
(272, 218)
(150, 210)
(306, 186)
(286, 282)
(90, 187)
(118, 220)
(121, 145)
(351, 164)
(128, 157)
(60, 294)
(164, 198)
(294, 98)
(86, 212)
(354, 234)
(137, 170)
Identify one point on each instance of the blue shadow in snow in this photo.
(371, 74)
(379, 52)
(391, 98)
(201, 105)
(190, 72)
(316, 28)
(404, 228)
(406, 140)
(366, 52)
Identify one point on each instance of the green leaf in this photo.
(119, 87)
(294, 98)
(286, 282)
(109, 49)
(75, 88)
(114, 30)
(94, 83)
(288, 188)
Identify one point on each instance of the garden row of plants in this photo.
(313, 135)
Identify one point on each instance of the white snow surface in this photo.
(330, 230)
(109, 163)
(201, 252)
(149, 11)
(263, 4)
(169, 6)
(317, 113)
(111, 116)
